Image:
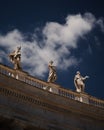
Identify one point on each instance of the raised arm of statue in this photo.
(17, 52)
(84, 78)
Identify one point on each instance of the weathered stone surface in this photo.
(24, 106)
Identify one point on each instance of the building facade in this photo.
(28, 103)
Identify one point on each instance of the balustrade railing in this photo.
(54, 88)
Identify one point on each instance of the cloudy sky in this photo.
(69, 32)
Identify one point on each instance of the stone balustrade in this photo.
(51, 87)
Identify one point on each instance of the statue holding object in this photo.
(15, 58)
(79, 82)
(52, 72)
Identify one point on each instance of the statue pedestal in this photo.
(83, 97)
(52, 88)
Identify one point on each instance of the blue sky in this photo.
(69, 32)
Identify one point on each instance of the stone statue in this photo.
(15, 58)
(52, 72)
(79, 82)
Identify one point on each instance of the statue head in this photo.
(19, 48)
(51, 62)
(78, 72)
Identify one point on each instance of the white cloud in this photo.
(67, 35)
(57, 41)
(100, 22)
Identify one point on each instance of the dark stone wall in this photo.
(24, 107)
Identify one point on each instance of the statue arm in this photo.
(75, 82)
(86, 77)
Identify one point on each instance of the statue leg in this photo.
(78, 89)
(19, 65)
(50, 78)
(15, 66)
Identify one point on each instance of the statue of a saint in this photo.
(79, 82)
(52, 72)
(15, 58)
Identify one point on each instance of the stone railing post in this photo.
(84, 98)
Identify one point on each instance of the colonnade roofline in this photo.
(23, 76)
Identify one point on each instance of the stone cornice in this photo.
(46, 100)
(20, 87)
